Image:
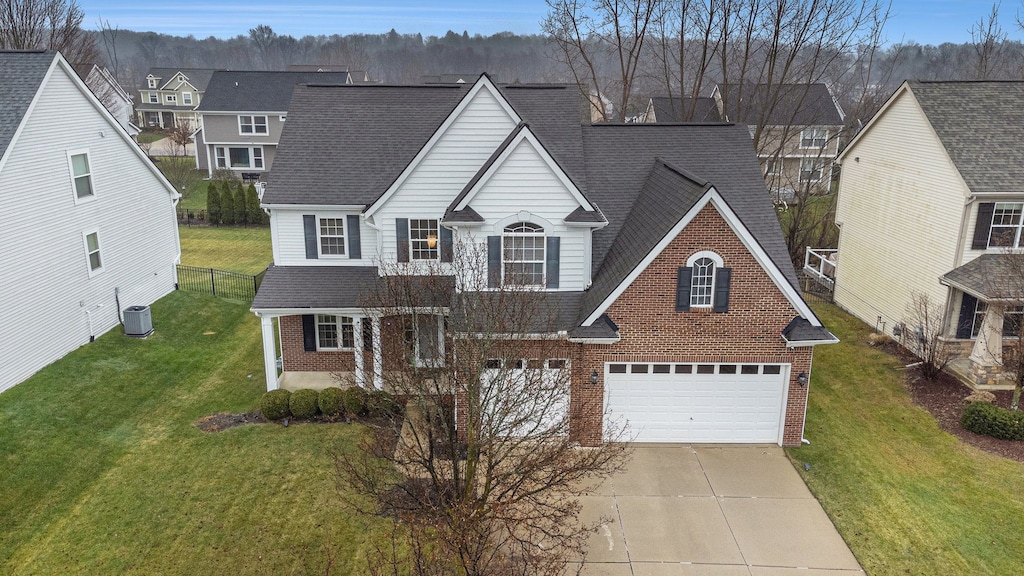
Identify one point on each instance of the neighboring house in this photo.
(354, 76)
(656, 246)
(242, 116)
(114, 98)
(88, 227)
(801, 126)
(169, 96)
(930, 200)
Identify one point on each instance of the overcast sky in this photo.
(924, 21)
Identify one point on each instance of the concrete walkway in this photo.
(712, 511)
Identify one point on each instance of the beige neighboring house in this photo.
(800, 138)
(931, 198)
(170, 96)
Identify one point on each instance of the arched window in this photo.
(702, 285)
(522, 254)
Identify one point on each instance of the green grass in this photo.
(907, 497)
(195, 196)
(104, 472)
(245, 250)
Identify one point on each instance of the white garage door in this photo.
(719, 403)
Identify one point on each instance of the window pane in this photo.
(421, 234)
(239, 157)
(702, 283)
(684, 368)
(727, 369)
(556, 363)
(80, 164)
(92, 240)
(773, 369)
(83, 186)
(94, 261)
(749, 369)
(327, 331)
(492, 364)
(332, 236)
(705, 369)
(638, 368)
(662, 368)
(617, 369)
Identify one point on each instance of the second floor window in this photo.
(811, 169)
(252, 124)
(171, 98)
(186, 98)
(332, 236)
(522, 254)
(1006, 225)
(813, 138)
(423, 239)
(154, 98)
(81, 174)
(702, 284)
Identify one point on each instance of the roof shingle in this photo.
(23, 73)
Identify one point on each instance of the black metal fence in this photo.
(189, 217)
(231, 285)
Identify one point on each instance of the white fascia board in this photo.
(808, 343)
(275, 312)
(483, 83)
(606, 341)
(321, 207)
(711, 196)
(242, 112)
(526, 135)
(904, 87)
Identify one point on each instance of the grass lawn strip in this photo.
(105, 473)
(907, 497)
(245, 250)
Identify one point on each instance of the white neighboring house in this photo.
(88, 221)
(110, 93)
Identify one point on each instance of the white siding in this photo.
(47, 293)
(446, 169)
(289, 239)
(525, 182)
(901, 205)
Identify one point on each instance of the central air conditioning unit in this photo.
(138, 321)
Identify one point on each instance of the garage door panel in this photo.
(690, 407)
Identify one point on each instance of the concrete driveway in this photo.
(712, 511)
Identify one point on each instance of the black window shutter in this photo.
(309, 224)
(722, 279)
(982, 226)
(402, 239)
(447, 250)
(493, 261)
(308, 333)
(552, 257)
(683, 281)
(355, 248)
(968, 305)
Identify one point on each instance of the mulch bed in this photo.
(944, 399)
(224, 420)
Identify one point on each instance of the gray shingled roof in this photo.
(981, 125)
(800, 330)
(385, 127)
(780, 105)
(678, 109)
(989, 277)
(319, 287)
(23, 73)
(198, 77)
(259, 91)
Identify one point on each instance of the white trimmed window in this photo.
(702, 285)
(813, 138)
(1006, 225)
(154, 98)
(92, 252)
(151, 82)
(522, 254)
(252, 124)
(81, 175)
(811, 169)
(332, 236)
(772, 166)
(239, 157)
(423, 239)
(171, 98)
(1012, 316)
(334, 332)
(186, 98)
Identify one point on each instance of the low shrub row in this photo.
(330, 403)
(991, 420)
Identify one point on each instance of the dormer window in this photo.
(522, 254)
(151, 82)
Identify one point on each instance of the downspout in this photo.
(803, 425)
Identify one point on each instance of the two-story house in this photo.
(169, 97)
(242, 115)
(930, 203)
(657, 245)
(88, 227)
(797, 127)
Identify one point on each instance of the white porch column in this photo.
(269, 352)
(378, 355)
(357, 329)
(988, 348)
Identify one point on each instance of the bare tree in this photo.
(178, 166)
(921, 333)
(482, 474)
(988, 38)
(47, 25)
(181, 135)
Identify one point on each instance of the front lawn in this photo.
(103, 472)
(907, 497)
(245, 250)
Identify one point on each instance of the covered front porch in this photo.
(989, 293)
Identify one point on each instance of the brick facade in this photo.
(652, 330)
